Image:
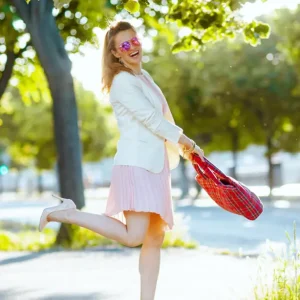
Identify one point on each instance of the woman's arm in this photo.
(126, 90)
(185, 141)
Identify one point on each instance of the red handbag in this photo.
(227, 192)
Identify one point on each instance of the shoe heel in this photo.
(55, 196)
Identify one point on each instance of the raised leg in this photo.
(130, 235)
(149, 262)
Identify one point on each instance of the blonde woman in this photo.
(139, 207)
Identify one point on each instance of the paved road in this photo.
(184, 274)
(209, 225)
(215, 227)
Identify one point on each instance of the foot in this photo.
(58, 213)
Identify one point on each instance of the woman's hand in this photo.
(198, 151)
(187, 143)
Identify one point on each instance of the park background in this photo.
(230, 73)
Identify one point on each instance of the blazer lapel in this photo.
(173, 150)
(151, 96)
(154, 100)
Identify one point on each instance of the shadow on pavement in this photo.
(19, 259)
(10, 294)
(91, 296)
(34, 255)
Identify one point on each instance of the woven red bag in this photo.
(227, 192)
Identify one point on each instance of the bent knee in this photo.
(155, 240)
(134, 241)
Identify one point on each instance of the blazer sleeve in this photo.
(126, 90)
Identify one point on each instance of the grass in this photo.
(20, 237)
(26, 240)
(284, 283)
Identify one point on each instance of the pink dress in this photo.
(136, 189)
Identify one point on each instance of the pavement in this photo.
(113, 274)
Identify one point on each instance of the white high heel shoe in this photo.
(65, 205)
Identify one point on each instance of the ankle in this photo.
(70, 213)
(63, 216)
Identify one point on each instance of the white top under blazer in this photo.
(144, 129)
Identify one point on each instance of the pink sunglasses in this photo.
(125, 46)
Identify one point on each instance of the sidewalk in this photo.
(113, 274)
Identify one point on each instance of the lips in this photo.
(135, 53)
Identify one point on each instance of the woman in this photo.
(139, 207)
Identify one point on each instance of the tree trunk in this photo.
(235, 147)
(184, 182)
(40, 182)
(17, 183)
(6, 75)
(270, 165)
(51, 52)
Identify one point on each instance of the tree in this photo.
(249, 91)
(177, 77)
(29, 137)
(285, 24)
(209, 21)
(262, 82)
(201, 104)
(40, 21)
(42, 28)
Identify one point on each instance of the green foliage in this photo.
(26, 240)
(75, 21)
(172, 240)
(22, 238)
(60, 3)
(188, 43)
(255, 31)
(196, 101)
(83, 238)
(28, 136)
(132, 6)
(209, 21)
(212, 21)
(249, 91)
(256, 93)
(286, 24)
(97, 131)
(285, 281)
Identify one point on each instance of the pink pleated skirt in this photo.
(137, 189)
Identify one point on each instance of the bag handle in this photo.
(209, 168)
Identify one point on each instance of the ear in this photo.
(115, 53)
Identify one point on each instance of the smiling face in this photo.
(131, 53)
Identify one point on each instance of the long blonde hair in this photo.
(111, 64)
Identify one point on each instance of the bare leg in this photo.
(131, 235)
(149, 262)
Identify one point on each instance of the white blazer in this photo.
(144, 129)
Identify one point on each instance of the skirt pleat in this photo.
(137, 189)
